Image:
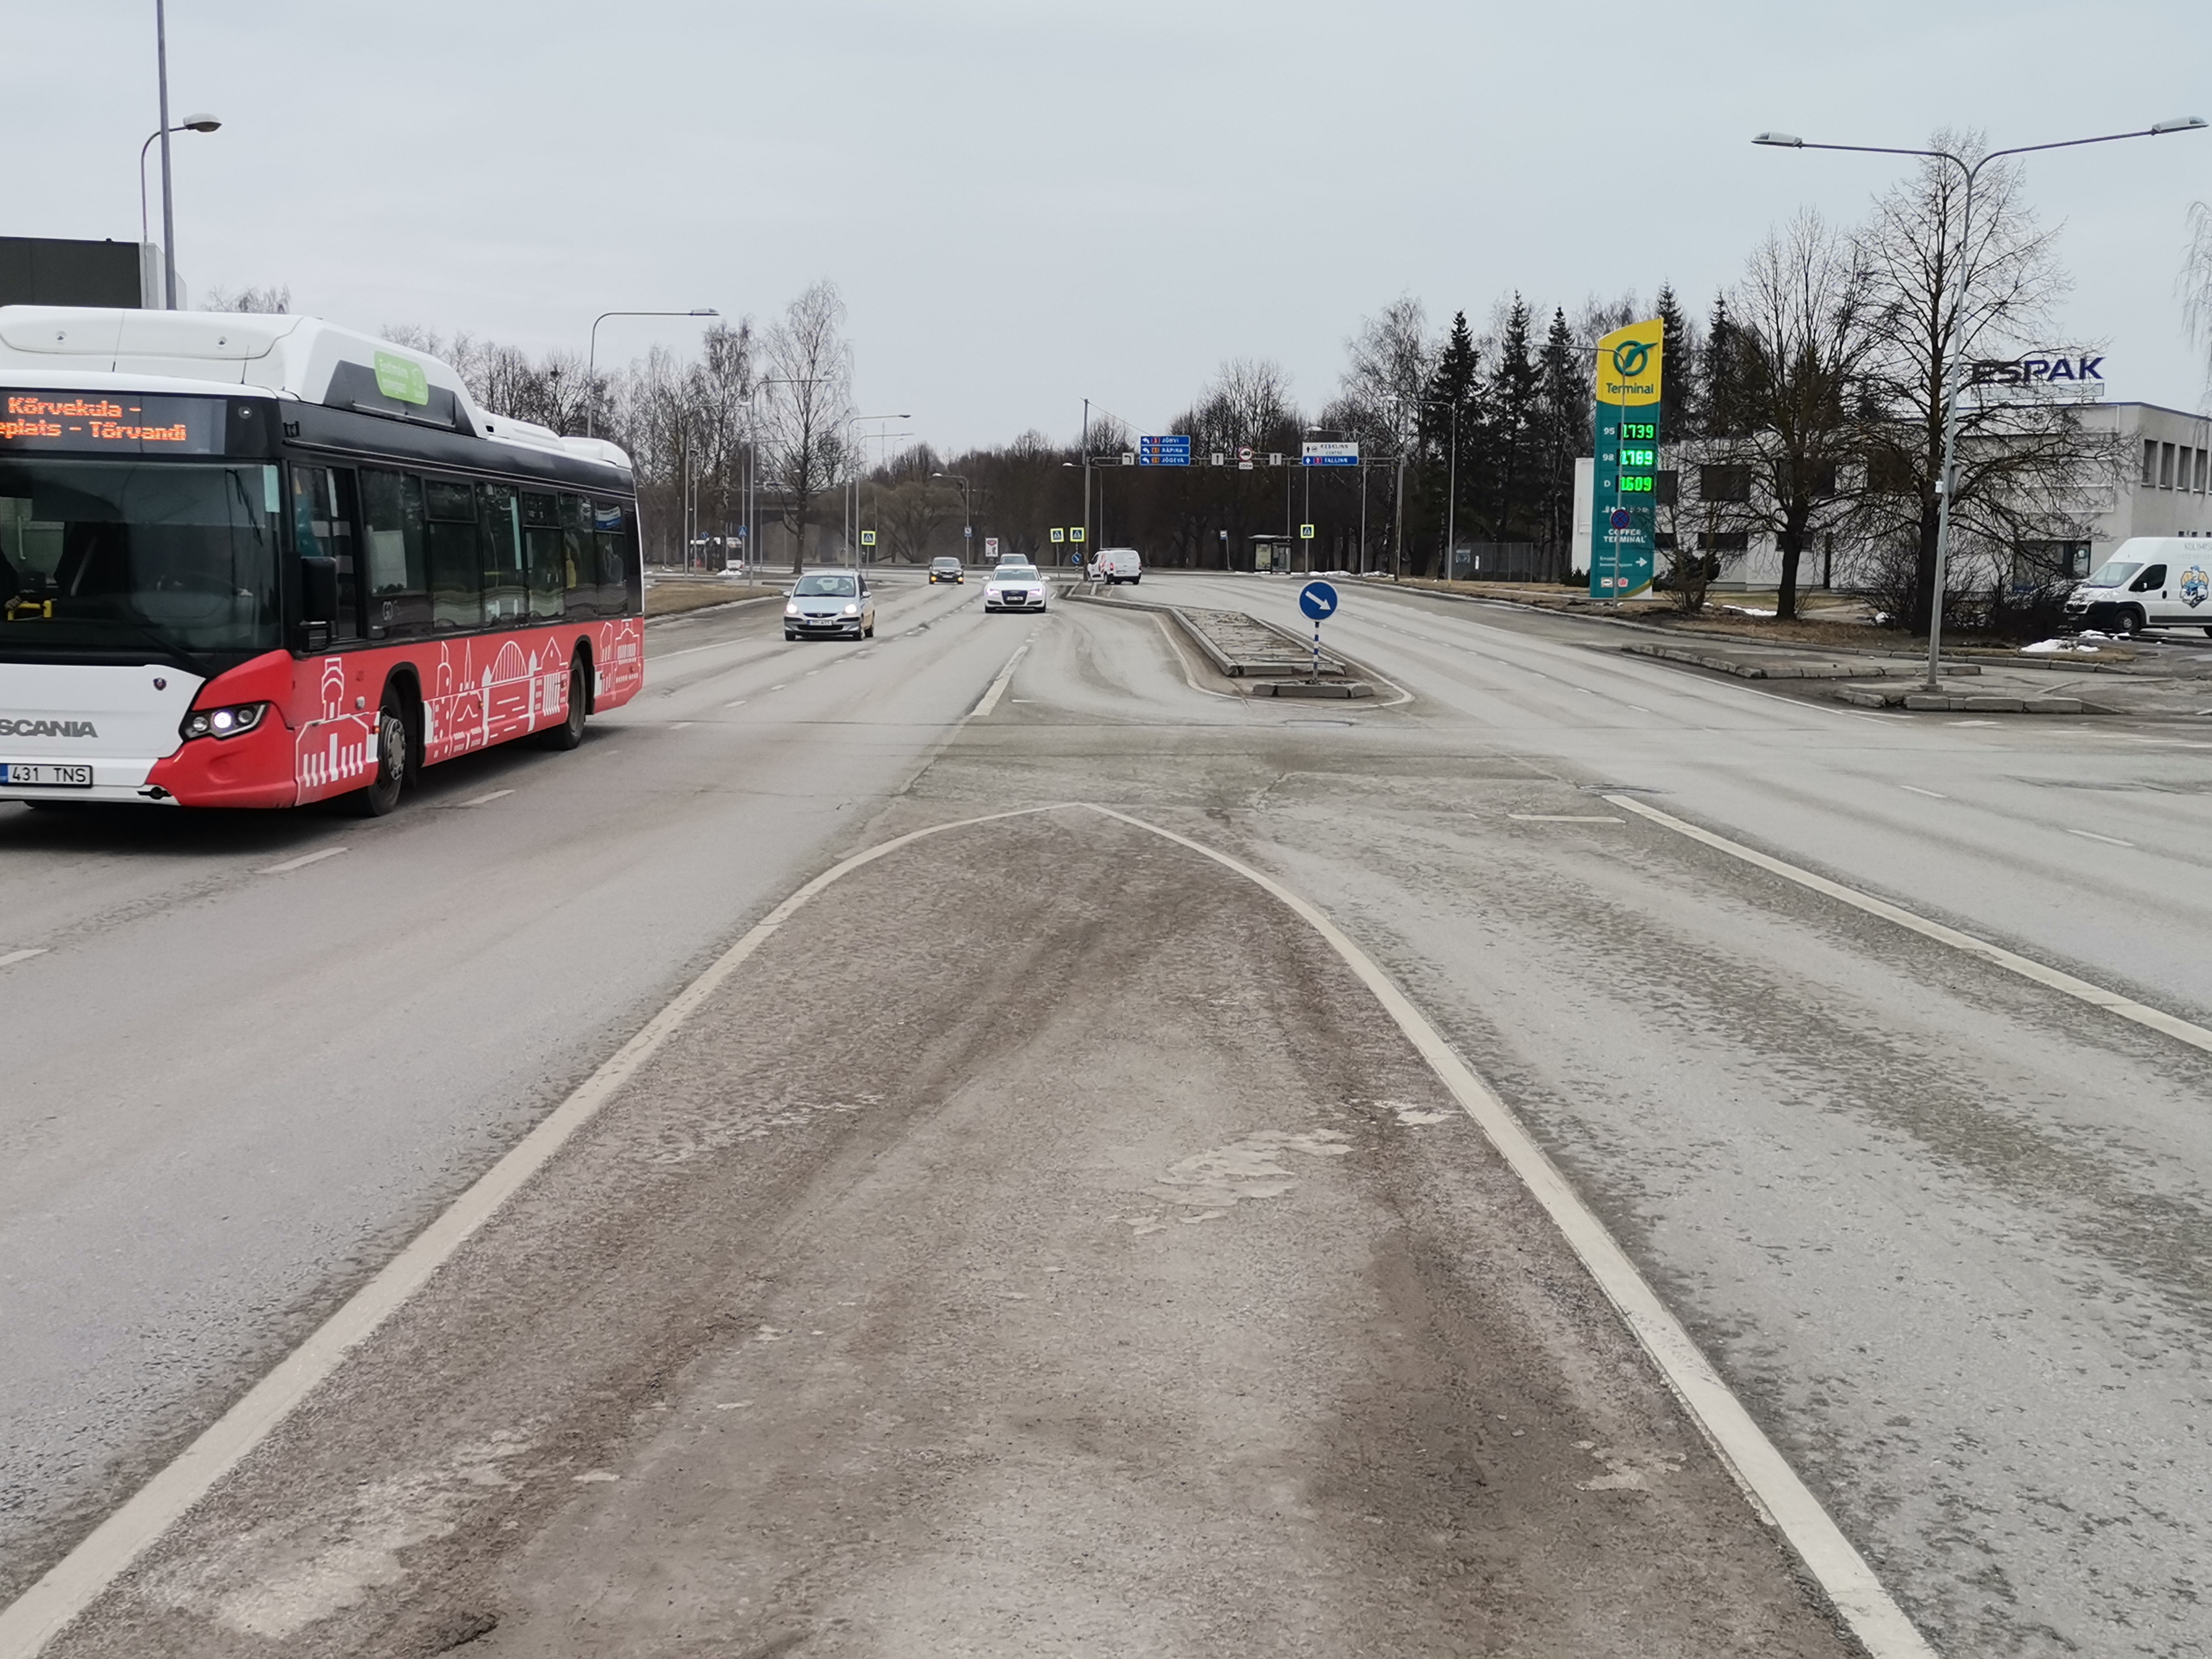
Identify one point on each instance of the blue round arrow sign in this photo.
(1317, 600)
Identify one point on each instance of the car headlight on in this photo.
(852, 609)
(790, 607)
(227, 722)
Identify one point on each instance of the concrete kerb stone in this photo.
(1338, 688)
(1780, 669)
(1960, 703)
(1227, 666)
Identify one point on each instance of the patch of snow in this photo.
(2056, 648)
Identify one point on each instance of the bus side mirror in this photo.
(318, 590)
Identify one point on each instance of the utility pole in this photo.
(168, 198)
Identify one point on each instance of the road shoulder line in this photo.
(2082, 990)
(72, 1584)
(1759, 1467)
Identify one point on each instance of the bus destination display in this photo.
(103, 423)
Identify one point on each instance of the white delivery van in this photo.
(2151, 581)
(1120, 564)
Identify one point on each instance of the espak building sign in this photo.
(2081, 374)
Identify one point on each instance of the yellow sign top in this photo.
(1628, 366)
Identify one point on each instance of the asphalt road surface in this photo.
(1040, 1245)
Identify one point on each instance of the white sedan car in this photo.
(1014, 588)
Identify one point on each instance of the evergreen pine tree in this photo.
(1512, 434)
(1451, 392)
(1677, 372)
(1719, 373)
(1564, 425)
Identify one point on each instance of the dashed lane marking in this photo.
(486, 800)
(303, 861)
(990, 698)
(2081, 990)
(14, 956)
(2109, 840)
(1560, 817)
(1914, 788)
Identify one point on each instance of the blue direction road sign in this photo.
(1317, 600)
(1171, 450)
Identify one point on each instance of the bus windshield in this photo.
(109, 555)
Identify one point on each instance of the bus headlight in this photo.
(227, 722)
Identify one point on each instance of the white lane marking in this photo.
(486, 799)
(990, 699)
(75, 1581)
(779, 687)
(2081, 990)
(302, 861)
(1970, 722)
(1639, 707)
(1560, 817)
(1758, 1464)
(14, 956)
(739, 704)
(1916, 789)
(2109, 840)
(680, 725)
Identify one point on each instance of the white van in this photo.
(2151, 581)
(1118, 564)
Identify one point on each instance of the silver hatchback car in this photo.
(830, 605)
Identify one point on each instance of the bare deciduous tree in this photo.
(2197, 285)
(274, 299)
(1948, 296)
(1805, 317)
(809, 397)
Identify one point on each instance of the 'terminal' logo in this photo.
(25, 728)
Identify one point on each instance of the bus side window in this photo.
(398, 583)
(610, 523)
(450, 537)
(322, 528)
(541, 535)
(579, 559)
(633, 569)
(507, 588)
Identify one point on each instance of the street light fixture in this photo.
(189, 124)
(967, 512)
(1947, 483)
(592, 358)
(853, 489)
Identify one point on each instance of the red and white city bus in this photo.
(261, 561)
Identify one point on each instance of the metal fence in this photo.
(1508, 561)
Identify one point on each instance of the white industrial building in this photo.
(2164, 488)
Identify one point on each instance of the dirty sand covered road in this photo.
(1022, 1254)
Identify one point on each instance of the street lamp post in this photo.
(752, 466)
(1948, 478)
(189, 124)
(967, 514)
(592, 357)
(853, 489)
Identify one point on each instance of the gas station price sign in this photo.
(1624, 543)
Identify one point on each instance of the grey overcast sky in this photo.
(1026, 202)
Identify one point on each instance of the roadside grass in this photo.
(670, 596)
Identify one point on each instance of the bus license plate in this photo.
(48, 777)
